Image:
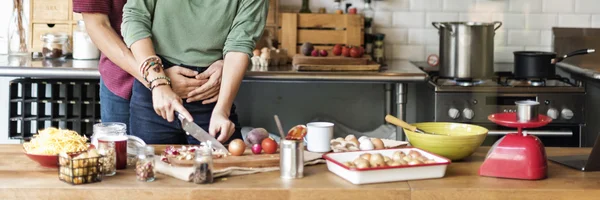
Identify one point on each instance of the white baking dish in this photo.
(386, 174)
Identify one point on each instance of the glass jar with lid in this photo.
(55, 45)
(145, 168)
(203, 166)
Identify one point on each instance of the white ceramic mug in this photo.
(318, 136)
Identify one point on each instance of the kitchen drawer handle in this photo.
(541, 133)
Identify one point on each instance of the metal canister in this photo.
(291, 160)
(527, 110)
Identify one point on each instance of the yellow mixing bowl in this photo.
(459, 141)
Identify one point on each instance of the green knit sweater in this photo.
(195, 32)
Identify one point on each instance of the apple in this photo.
(337, 49)
(346, 51)
(356, 52)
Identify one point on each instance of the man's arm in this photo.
(112, 46)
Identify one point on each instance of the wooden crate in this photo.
(322, 30)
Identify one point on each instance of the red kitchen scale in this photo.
(516, 155)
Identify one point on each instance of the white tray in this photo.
(386, 174)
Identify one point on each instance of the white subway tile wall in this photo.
(527, 24)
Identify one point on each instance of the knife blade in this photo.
(200, 134)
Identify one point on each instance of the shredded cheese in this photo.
(52, 141)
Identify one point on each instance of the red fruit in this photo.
(269, 145)
(256, 149)
(315, 53)
(356, 52)
(346, 51)
(337, 49)
(323, 53)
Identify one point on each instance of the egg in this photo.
(366, 145)
(363, 138)
(377, 143)
(352, 138)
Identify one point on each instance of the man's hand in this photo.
(209, 91)
(183, 80)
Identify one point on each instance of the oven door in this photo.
(550, 135)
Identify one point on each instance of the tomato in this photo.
(269, 146)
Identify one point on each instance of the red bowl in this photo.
(44, 160)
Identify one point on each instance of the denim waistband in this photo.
(168, 64)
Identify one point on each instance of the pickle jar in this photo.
(55, 45)
(145, 166)
(109, 161)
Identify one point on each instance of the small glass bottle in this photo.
(144, 168)
(337, 7)
(379, 50)
(17, 33)
(109, 161)
(305, 7)
(203, 166)
(369, 13)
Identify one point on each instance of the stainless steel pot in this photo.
(466, 49)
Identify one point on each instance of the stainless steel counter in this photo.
(394, 76)
(398, 71)
(587, 70)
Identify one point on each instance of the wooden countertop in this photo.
(21, 178)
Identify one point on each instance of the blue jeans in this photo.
(153, 129)
(113, 108)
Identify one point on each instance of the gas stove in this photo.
(472, 101)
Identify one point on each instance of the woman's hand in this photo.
(165, 102)
(220, 123)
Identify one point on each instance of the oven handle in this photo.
(541, 133)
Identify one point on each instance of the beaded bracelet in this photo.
(154, 86)
(160, 77)
(147, 64)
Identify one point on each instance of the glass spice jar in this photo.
(203, 166)
(109, 161)
(55, 45)
(379, 49)
(145, 168)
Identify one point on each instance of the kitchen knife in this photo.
(200, 134)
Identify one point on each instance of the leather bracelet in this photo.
(160, 84)
(147, 72)
(160, 77)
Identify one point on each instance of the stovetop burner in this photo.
(505, 82)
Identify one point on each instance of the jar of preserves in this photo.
(55, 45)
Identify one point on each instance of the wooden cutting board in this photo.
(371, 66)
(248, 159)
(300, 59)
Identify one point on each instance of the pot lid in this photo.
(534, 53)
(469, 23)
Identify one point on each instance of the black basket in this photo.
(79, 171)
